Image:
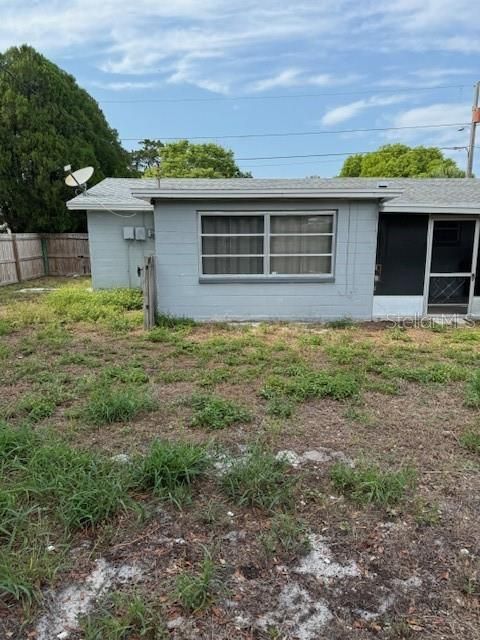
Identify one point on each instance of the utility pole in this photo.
(473, 127)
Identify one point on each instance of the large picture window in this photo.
(267, 244)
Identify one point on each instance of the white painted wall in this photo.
(114, 260)
(476, 307)
(385, 307)
(180, 293)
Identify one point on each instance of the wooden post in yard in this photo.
(149, 293)
(16, 258)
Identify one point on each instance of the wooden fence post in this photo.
(45, 256)
(149, 293)
(16, 258)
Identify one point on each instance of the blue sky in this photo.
(213, 68)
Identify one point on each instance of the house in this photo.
(290, 249)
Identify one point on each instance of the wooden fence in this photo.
(24, 256)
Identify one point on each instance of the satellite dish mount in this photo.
(78, 179)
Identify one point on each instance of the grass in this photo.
(280, 407)
(108, 404)
(260, 480)
(213, 412)
(301, 383)
(123, 616)
(170, 466)
(197, 591)
(63, 359)
(472, 397)
(286, 536)
(470, 440)
(369, 484)
(47, 491)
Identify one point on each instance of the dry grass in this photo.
(386, 398)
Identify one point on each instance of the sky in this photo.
(226, 69)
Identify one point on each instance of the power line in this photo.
(276, 134)
(287, 96)
(325, 155)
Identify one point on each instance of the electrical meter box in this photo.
(128, 233)
(140, 233)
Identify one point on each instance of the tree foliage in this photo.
(401, 161)
(46, 122)
(184, 159)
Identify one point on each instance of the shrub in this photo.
(259, 480)
(198, 591)
(170, 465)
(370, 484)
(471, 441)
(213, 412)
(109, 404)
(286, 535)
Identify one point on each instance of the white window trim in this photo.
(266, 275)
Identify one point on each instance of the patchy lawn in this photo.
(264, 481)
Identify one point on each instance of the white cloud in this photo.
(348, 111)
(435, 114)
(124, 86)
(213, 43)
(294, 77)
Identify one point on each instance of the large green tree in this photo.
(46, 122)
(184, 159)
(401, 161)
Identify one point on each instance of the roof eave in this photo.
(222, 194)
(463, 209)
(106, 206)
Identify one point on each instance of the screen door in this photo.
(451, 275)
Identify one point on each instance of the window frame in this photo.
(266, 276)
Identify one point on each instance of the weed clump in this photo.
(197, 591)
(213, 412)
(108, 404)
(286, 536)
(301, 383)
(122, 616)
(370, 484)
(470, 440)
(170, 466)
(259, 480)
(472, 398)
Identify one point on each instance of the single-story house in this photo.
(290, 249)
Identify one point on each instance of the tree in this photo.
(401, 161)
(46, 122)
(184, 159)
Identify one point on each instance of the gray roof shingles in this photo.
(438, 191)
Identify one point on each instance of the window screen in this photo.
(268, 244)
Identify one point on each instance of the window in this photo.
(267, 244)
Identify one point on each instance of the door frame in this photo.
(428, 261)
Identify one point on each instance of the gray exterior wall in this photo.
(180, 293)
(115, 260)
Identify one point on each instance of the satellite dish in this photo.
(79, 178)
